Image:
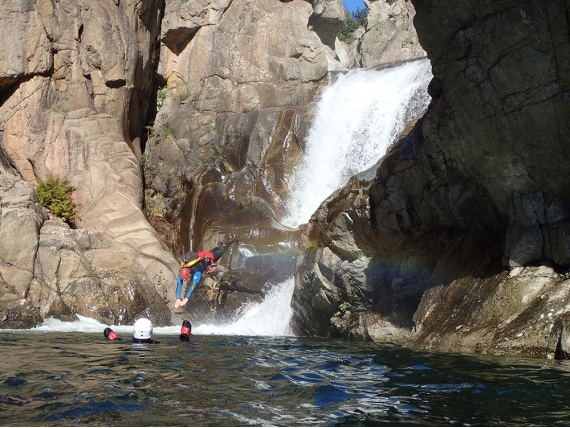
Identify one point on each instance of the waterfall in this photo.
(269, 318)
(357, 118)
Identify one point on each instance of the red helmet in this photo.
(185, 274)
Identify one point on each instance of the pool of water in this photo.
(74, 379)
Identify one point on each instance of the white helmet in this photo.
(143, 329)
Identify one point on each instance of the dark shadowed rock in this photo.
(468, 215)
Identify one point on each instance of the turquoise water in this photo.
(79, 379)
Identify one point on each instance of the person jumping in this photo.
(194, 264)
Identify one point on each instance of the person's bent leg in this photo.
(221, 248)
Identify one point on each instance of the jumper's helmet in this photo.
(185, 274)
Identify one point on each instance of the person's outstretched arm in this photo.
(179, 292)
(179, 288)
(195, 280)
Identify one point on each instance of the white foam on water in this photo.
(90, 325)
(269, 318)
(357, 118)
(83, 324)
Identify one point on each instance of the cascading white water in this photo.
(357, 118)
(269, 318)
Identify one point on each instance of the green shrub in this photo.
(360, 16)
(55, 195)
(352, 21)
(183, 96)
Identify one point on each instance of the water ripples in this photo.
(79, 379)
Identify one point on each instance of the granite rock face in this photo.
(76, 275)
(460, 243)
(74, 95)
(76, 89)
(232, 115)
(239, 81)
(21, 220)
(387, 37)
(508, 72)
(48, 269)
(390, 35)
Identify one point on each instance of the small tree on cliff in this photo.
(55, 195)
(352, 21)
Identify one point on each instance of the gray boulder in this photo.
(76, 275)
(48, 269)
(390, 35)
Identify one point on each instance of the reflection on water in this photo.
(79, 379)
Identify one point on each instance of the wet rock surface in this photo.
(245, 274)
(239, 83)
(465, 214)
(229, 125)
(460, 242)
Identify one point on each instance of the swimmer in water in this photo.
(185, 331)
(110, 334)
(142, 332)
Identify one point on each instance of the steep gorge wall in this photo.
(234, 111)
(239, 80)
(75, 81)
(461, 242)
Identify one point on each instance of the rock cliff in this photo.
(238, 82)
(75, 81)
(225, 84)
(387, 37)
(461, 241)
(179, 122)
(232, 113)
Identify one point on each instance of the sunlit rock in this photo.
(230, 126)
(74, 101)
(388, 36)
